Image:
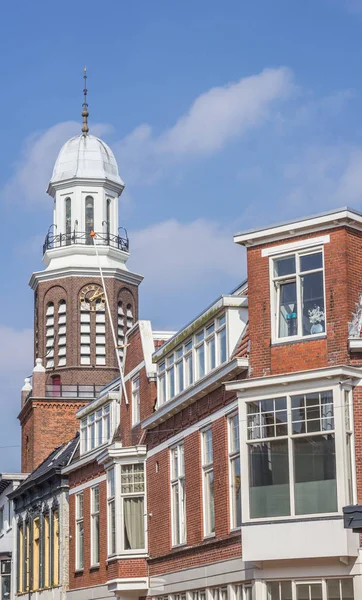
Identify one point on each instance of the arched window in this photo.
(121, 328)
(108, 218)
(62, 333)
(49, 335)
(89, 218)
(68, 220)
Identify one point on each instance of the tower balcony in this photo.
(59, 240)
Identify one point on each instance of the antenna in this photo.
(85, 113)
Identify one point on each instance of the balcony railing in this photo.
(60, 390)
(82, 237)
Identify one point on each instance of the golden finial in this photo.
(85, 113)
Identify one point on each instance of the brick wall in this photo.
(198, 550)
(343, 276)
(45, 425)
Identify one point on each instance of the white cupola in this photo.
(85, 186)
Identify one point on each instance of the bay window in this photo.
(298, 285)
(327, 589)
(133, 506)
(178, 495)
(292, 462)
(194, 359)
(208, 482)
(111, 511)
(234, 471)
(95, 428)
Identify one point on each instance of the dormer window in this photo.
(96, 428)
(298, 288)
(193, 360)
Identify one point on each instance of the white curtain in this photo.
(133, 509)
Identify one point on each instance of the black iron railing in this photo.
(60, 390)
(81, 237)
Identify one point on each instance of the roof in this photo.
(327, 220)
(7, 478)
(58, 459)
(85, 157)
(242, 349)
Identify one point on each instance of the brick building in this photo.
(218, 465)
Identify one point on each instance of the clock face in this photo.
(92, 297)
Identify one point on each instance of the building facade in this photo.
(8, 483)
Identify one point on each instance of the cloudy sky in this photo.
(223, 116)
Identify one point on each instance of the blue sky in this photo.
(222, 115)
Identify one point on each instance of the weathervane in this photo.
(85, 113)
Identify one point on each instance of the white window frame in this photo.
(299, 582)
(111, 512)
(339, 429)
(189, 350)
(94, 518)
(79, 527)
(275, 290)
(178, 489)
(92, 420)
(132, 494)
(233, 455)
(136, 400)
(207, 469)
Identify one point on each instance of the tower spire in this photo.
(85, 113)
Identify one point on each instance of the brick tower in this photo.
(73, 344)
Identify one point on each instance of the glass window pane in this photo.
(309, 262)
(284, 266)
(200, 353)
(313, 317)
(288, 312)
(171, 383)
(347, 589)
(269, 479)
(180, 376)
(89, 218)
(222, 345)
(133, 512)
(315, 475)
(211, 354)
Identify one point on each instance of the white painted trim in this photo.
(294, 378)
(195, 391)
(200, 425)
(355, 344)
(87, 485)
(120, 274)
(292, 246)
(84, 460)
(128, 584)
(134, 371)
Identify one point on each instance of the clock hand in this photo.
(96, 295)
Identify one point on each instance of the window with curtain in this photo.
(133, 503)
(208, 481)
(234, 471)
(68, 221)
(62, 333)
(95, 525)
(49, 335)
(307, 442)
(79, 530)
(178, 495)
(89, 218)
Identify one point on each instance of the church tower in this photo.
(74, 348)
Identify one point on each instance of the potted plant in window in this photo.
(316, 316)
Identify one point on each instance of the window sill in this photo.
(79, 571)
(298, 340)
(94, 567)
(293, 519)
(127, 554)
(209, 536)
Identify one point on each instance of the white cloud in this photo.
(177, 256)
(33, 170)
(325, 178)
(214, 119)
(16, 351)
